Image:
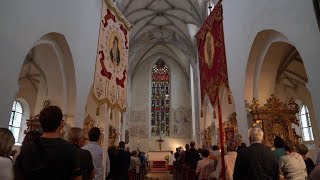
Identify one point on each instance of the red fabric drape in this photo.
(212, 56)
(213, 65)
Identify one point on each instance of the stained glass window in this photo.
(306, 124)
(160, 99)
(15, 119)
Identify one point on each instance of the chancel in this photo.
(155, 75)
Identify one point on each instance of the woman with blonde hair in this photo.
(6, 143)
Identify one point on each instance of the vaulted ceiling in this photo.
(146, 15)
(164, 27)
(291, 70)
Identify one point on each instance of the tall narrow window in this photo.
(306, 124)
(160, 99)
(15, 119)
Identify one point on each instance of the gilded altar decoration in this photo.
(231, 122)
(110, 79)
(230, 126)
(275, 118)
(113, 136)
(206, 135)
(88, 123)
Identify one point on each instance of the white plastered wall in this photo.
(26, 22)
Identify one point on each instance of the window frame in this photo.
(11, 125)
(162, 103)
(304, 111)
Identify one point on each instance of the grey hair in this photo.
(74, 134)
(256, 134)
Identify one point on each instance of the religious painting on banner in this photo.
(110, 80)
(212, 56)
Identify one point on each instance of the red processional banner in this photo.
(213, 66)
(212, 55)
(110, 79)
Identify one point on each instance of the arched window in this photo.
(15, 119)
(306, 124)
(316, 5)
(160, 99)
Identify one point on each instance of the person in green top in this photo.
(279, 145)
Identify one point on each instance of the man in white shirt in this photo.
(97, 153)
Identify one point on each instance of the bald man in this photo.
(76, 136)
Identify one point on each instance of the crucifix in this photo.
(160, 141)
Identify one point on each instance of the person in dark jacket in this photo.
(76, 137)
(122, 163)
(112, 151)
(256, 161)
(192, 156)
(303, 150)
(182, 157)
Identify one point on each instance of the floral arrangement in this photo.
(166, 158)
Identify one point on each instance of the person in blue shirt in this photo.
(279, 145)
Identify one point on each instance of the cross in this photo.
(160, 141)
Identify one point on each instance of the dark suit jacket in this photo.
(192, 158)
(256, 162)
(86, 164)
(122, 163)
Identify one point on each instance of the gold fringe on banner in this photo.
(98, 111)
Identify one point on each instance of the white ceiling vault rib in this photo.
(162, 22)
(195, 10)
(180, 30)
(291, 70)
(32, 72)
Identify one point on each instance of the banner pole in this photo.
(221, 138)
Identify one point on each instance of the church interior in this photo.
(50, 53)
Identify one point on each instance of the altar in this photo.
(159, 160)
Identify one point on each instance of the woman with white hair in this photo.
(6, 164)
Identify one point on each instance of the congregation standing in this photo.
(255, 162)
(47, 156)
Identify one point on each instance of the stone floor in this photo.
(159, 176)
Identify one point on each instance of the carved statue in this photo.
(88, 123)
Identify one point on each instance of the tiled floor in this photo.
(159, 176)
